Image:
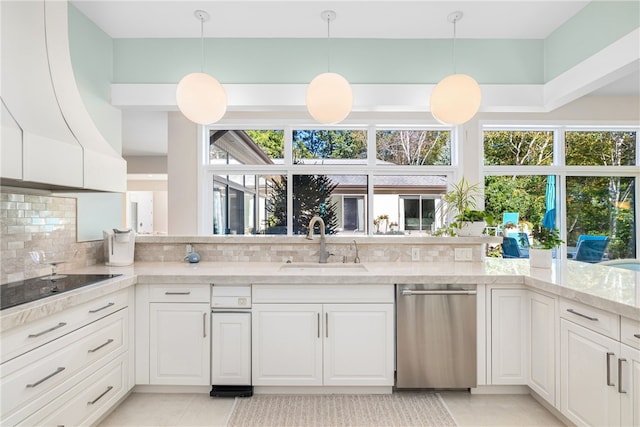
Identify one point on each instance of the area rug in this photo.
(403, 409)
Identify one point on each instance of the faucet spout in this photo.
(324, 255)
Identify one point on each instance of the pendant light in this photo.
(456, 98)
(329, 96)
(200, 97)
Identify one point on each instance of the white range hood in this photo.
(48, 137)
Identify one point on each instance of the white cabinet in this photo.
(231, 348)
(629, 385)
(173, 334)
(324, 335)
(287, 344)
(331, 344)
(52, 382)
(542, 336)
(358, 344)
(179, 342)
(588, 380)
(509, 343)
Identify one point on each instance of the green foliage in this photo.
(470, 215)
(600, 148)
(461, 199)
(518, 147)
(311, 196)
(522, 194)
(271, 142)
(546, 238)
(414, 147)
(329, 144)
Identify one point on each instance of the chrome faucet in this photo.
(323, 251)
(356, 260)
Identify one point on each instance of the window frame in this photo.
(559, 167)
(288, 168)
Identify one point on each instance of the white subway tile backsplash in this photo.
(37, 222)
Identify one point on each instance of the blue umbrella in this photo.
(549, 220)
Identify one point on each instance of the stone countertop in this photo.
(612, 289)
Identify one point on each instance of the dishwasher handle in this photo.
(408, 292)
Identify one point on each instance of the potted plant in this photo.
(461, 202)
(544, 241)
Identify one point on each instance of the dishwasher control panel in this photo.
(230, 296)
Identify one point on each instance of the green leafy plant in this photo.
(461, 202)
(546, 238)
(470, 215)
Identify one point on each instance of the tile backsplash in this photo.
(40, 221)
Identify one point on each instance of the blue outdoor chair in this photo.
(590, 250)
(511, 217)
(521, 238)
(510, 249)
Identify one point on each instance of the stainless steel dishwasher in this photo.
(436, 336)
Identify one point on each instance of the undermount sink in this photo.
(322, 268)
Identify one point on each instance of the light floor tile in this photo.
(498, 410)
(154, 409)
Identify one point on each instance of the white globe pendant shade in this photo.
(329, 98)
(201, 98)
(455, 99)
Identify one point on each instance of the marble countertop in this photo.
(612, 289)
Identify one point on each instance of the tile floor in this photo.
(151, 409)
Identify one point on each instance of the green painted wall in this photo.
(92, 61)
(299, 60)
(595, 27)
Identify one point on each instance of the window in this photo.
(413, 147)
(275, 181)
(592, 171)
(329, 146)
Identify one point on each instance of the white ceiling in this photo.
(144, 133)
(355, 18)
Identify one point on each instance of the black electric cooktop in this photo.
(16, 293)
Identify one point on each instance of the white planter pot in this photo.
(540, 258)
(471, 229)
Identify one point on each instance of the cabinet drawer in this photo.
(84, 403)
(35, 373)
(180, 293)
(24, 338)
(593, 318)
(270, 294)
(630, 332)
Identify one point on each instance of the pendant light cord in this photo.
(202, 44)
(328, 44)
(455, 71)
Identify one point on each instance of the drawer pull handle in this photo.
(100, 397)
(58, 326)
(37, 383)
(178, 293)
(572, 311)
(637, 335)
(102, 308)
(620, 390)
(318, 323)
(109, 341)
(609, 383)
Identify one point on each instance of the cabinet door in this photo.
(231, 348)
(358, 344)
(179, 343)
(287, 344)
(542, 378)
(629, 388)
(509, 344)
(588, 376)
